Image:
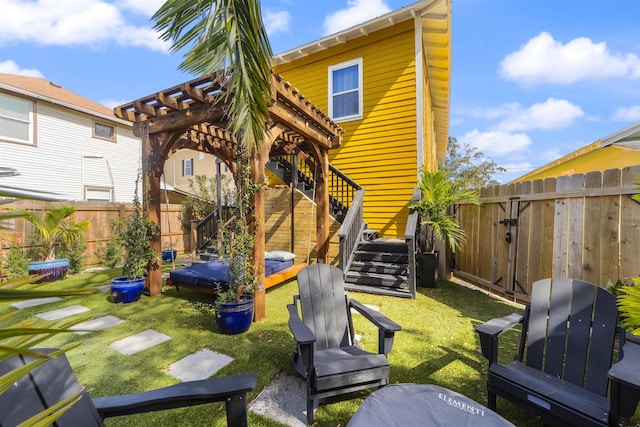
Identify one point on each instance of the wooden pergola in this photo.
(194, 115)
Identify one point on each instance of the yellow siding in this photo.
(378, 152)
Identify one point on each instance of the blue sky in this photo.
(531, 80)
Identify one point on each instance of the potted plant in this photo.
(234, 301)
(55, 227)
(438, 194)
(139, 255)
(169, 253)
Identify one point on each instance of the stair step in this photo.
(207, 256)
(383, 245)
(384, 257)
(379, 267)
(376, 279)
(378, 290)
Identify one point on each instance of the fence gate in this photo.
(583, 226)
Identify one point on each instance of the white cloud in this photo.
(545, 60)
(497, 143)
(146, 7)
(10, 67)
(276, 22)
(71, 22)
(627, 114)
(551, 114)
(356, 12)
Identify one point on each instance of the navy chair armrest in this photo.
(490, 330)
(377, 318)
(627, 370)
(179, 395)
(301, 332)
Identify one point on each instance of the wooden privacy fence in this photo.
(100, 215)
(584, 226)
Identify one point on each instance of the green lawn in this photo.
(438, 345)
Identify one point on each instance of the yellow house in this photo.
(386, 82)
(616, 151)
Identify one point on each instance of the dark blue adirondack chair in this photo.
(564, 363)
(326, 354)
(54, 381)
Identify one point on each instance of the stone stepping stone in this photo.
(62, 312)
(283, 400)
(138, 342)
(104, 288)
(199, 365)
(96, 324)
(34, 302)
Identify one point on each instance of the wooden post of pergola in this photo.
(193, 115)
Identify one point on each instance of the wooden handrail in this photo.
(207, 228)
(411, 232)
(351, 231)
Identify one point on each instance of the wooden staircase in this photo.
(380, 266)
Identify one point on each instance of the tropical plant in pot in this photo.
(438, 195)
(136, 236)
(234, 301)
(55, 227)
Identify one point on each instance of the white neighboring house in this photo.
(66, 144)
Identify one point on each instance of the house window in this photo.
(98, 194)
(16, 119)
(102, 131)
(345, 91)
(187, 167)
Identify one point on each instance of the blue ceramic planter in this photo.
(125, 290)
(235, 317)
(54, 270)
(169, 255)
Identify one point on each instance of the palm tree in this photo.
(57, 226)
(228, 35)
(225, 34)
(438, 194)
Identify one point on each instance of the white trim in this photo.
(392, 18)
(330, 94)
(54, 101)
(419, 97)
(30, 122)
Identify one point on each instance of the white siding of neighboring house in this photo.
(67, 157)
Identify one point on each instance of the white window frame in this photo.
(337, 67)
(100, 189)
(184, 167)
(113, 134)
(30, 122)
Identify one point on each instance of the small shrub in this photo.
(16, 262)
(110, 254)
(76, 252)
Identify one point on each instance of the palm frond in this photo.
(225, 34)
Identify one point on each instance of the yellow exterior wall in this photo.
(379, 151)
(600, 159)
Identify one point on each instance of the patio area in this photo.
(438, 345)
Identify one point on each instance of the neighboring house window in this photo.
(102, 131)
(16, 119)
(187, 167)
(98, 194)
(345, 91)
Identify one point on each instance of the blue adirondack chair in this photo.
(326, 354)
(563, 369)
(54, 381)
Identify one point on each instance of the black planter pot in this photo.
(427, 263)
